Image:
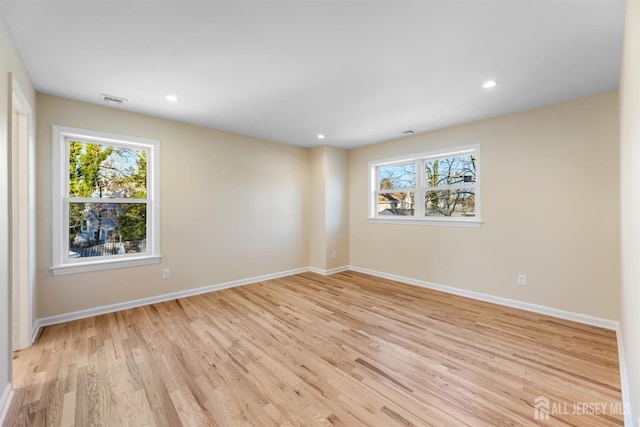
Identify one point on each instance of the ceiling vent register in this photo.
(112, 100)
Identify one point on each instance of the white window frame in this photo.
(62, 263)
(421, 188)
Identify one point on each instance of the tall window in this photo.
(440, 187)
(105, 201)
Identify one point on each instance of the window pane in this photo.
(399, 204)
(101, 229)
(106, 171)
(397, 177)
(450, 171)
(460, 203)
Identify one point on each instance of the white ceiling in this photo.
(358, 71)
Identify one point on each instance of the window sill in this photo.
(463, 223)
(86, 267)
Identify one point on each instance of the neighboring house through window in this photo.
(438, 188)
(105, 201)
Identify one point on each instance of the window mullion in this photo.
(396, 190)
(105, 200)
(451, 187)
(420, 184)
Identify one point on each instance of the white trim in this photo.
(418, 191)
(5, 402)
(62, 264)
(535, 308)
(562, 314)
(23, 277)
(35, 331)
(468, 223)
(107, 264)
(624, 381)
(330, 271)
(318, 270)
(96, 311)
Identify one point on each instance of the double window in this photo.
(439, 188)
(105, 201)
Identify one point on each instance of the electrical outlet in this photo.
(166, 273)
(333, 254)
(522, 279)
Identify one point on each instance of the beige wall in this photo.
(550, 209)
(317, 217)
(337, 207)
(540, 169)
(630, 192)
(329, 208)
(11, 66)
(232, 207)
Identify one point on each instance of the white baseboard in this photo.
(330, 271)
(567, 315)
(81, 314)
(96, 311)
(104, 309)
(5, 402)
(562, 314)
(35, 330)
(624, 382)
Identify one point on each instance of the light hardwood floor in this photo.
(347, 350)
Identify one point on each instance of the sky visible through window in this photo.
(397, 177)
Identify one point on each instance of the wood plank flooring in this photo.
(343, 350)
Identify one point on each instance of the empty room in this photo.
(320, 213)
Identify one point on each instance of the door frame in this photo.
(22, 218)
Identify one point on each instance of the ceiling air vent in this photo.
(113, 100)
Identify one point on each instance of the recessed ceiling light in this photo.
(489, 84)
(320, 136)
(172, 98)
